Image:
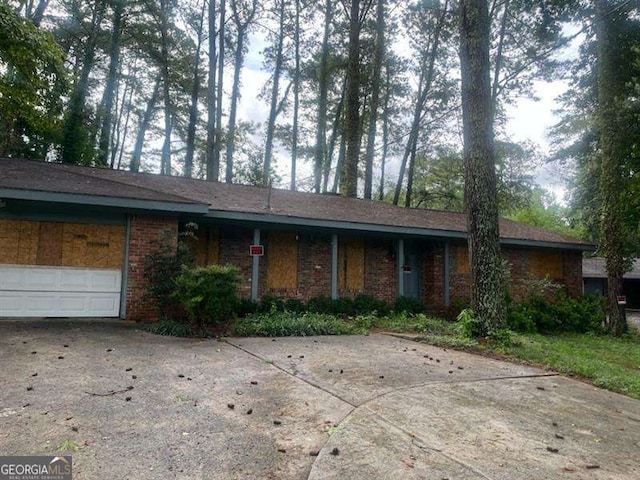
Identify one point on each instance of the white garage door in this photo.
(33, 291)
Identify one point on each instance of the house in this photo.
(594, 274)
(73, 241)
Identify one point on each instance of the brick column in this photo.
(146, 234)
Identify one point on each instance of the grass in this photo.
(606, 362)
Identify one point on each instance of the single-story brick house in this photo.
(594, 274)
(73, 240)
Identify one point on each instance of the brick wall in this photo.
(380, 272)
(314, 266)
(146, 234)
(234, 250)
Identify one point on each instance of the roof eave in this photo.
(104, 201)
(274, 219)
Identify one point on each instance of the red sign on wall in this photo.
(256, 250)
(622, 300)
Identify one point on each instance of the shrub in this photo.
(247, 306)
(269, 303)
(364, 304)
(561, 314)
(295, 305)
(339, 306)
(169, 328)
(468, 325)
(319, 305)
(409, 305)
(209, 294)
(283, 324)
(162, 267)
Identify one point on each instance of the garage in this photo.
(60, 269)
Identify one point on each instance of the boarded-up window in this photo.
(462, 259)
(207, 246)
(25, 242)
(351, 264)
(282, 260)
(543, 263)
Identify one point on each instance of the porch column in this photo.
(400, 259)
(447, 299)
(334, 267)
(255, 268)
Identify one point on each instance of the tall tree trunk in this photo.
(144, 125)
(242, 26)
(268, 151)
(352, 118)
(38, 14)
(424, 88)
(375, 98)
(487, 276)
(112, 80)
(499, 60)
(195, 95)
(385, 134)
(74, 132)
(212, 168)
(219, 91)
(165, 164)
(342, 153)
(335, 131)
(296, 96)
(612, 190)
(320, 155)
(121, 143)
(412, 167)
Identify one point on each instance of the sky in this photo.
(529, 119)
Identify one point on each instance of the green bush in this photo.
(247, 306)
(169, 328)
(269, 303)
(339, 306)
(409, 305)
(161, 269)
(295, 305)
(284, 324)
(560, 314)
(364, 304)
(209, 294)
(468, 325)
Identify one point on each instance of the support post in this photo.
(125, 268)
(255, 268)
(334, 267)
(400, 259)
(447, 299)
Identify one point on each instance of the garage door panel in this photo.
(31, 291)
(34, 304)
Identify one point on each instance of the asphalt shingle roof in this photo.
(596, 268)
(222, 197)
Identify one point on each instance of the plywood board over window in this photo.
(24, 242)
(351, 264)
(207, 246)
(545, 262)
(461, 253)
(282, 260)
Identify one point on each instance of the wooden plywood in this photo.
(206, 248)
(50, 244)
(543, 263)
(92, 246)
(18, 242)
(24, 242)
(462, 260)
(351, 264)
(9, 241)
(282, 260)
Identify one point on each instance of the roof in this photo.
(25, 179)
(597, 268)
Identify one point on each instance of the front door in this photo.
(411, 271)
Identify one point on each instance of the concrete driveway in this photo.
(296, 408)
